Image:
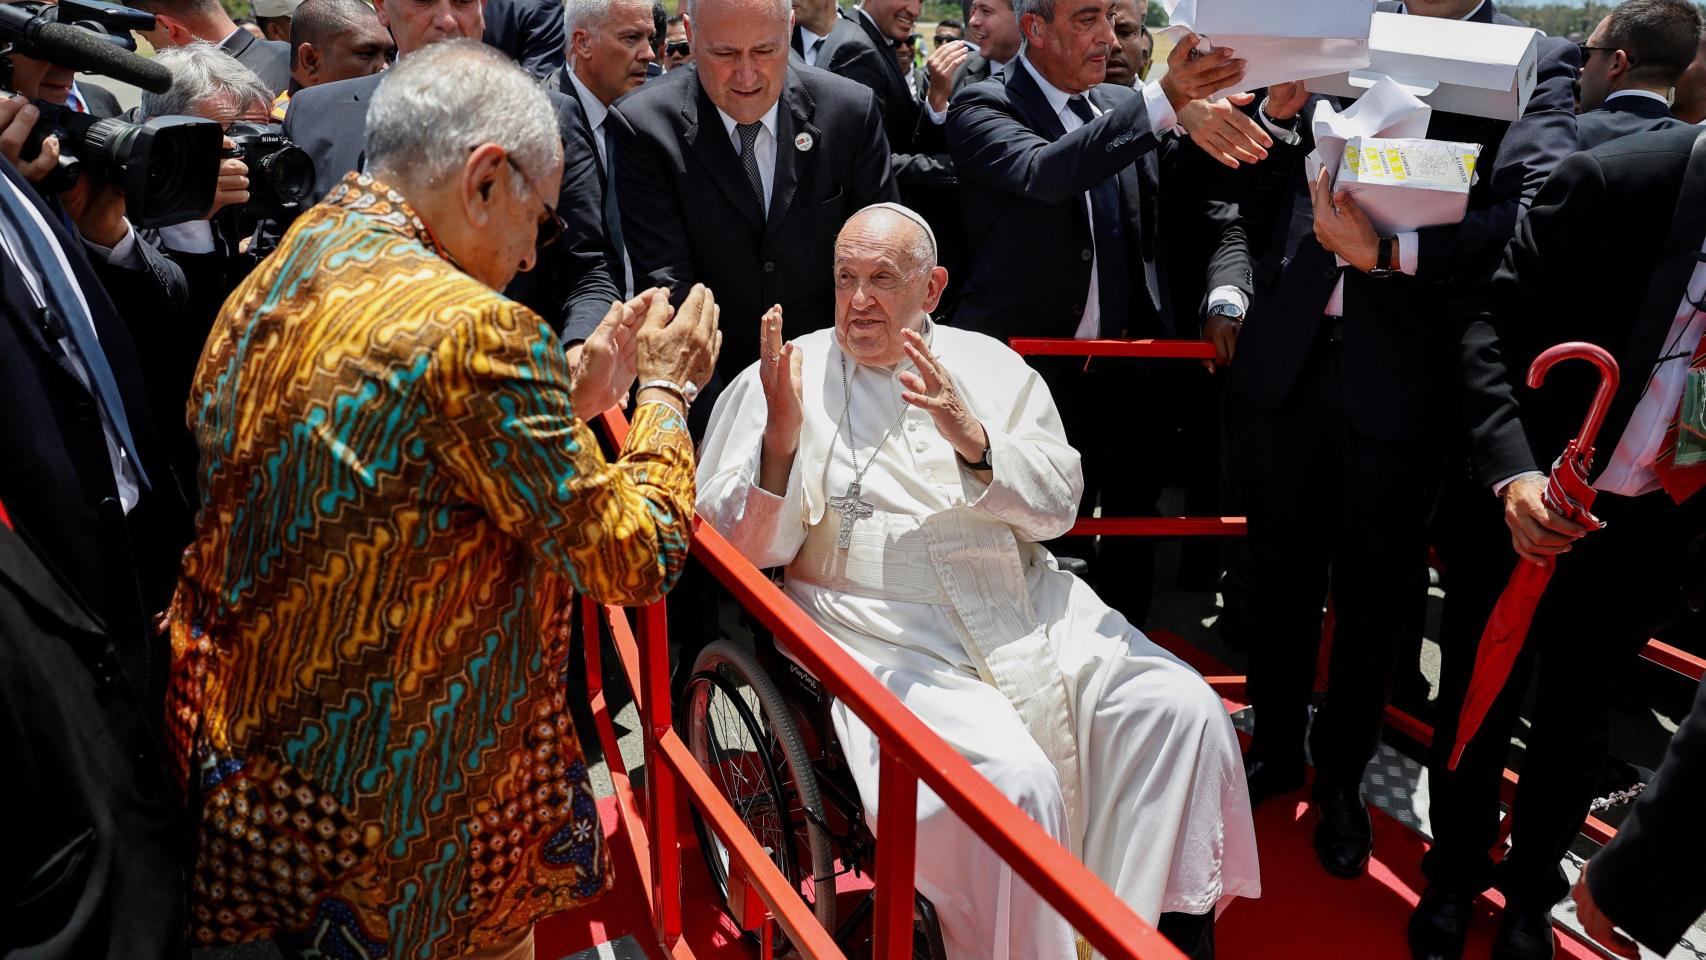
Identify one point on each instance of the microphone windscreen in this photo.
(85, 51)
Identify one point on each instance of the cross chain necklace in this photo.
(851, 508)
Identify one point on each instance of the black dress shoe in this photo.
(1266, 779)
(1525, 934)
(1440, 925)
(1345, 836)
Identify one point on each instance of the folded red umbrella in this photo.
(1568, 494)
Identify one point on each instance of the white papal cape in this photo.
(1117, 748)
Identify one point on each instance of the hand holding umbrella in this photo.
(1569, 498)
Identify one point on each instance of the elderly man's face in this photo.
(895, 18)
(489, 216)
(1125, 60)
(417, 23)
(1071, 51)
(881, 287)
(611, 58)
(741, 47)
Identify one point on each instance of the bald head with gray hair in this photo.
(444, 100)
(784, 9)
(205, 81)
(901, 225)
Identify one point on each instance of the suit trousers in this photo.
(1114, 418)
(1329, 510)
(1605, 598)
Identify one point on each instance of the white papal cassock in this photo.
(1117, 748)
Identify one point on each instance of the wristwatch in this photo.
(1386, 261)
(1231, 311)
(983, 461)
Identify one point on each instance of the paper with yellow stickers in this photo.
(1407, 184)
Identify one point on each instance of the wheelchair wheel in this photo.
(744, 736)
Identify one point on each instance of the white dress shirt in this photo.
(764, 148)
(811, 44)
(124, 472)
(1161, 119)
(1637, 93)
(596, 113)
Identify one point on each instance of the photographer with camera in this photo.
(258, 172)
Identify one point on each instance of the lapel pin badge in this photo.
(803, 142)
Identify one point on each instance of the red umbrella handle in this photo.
(1608, 377)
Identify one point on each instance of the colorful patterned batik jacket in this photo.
(370, 636)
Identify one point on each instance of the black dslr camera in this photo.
(281, 174)
(168, 167)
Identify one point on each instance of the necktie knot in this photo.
(748, 135)
(1081, 107)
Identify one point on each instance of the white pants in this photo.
(1166, 812)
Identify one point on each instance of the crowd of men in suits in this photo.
(1367, 390)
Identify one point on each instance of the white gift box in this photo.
(1407, 184)
(1456, 66)
(1279, 41)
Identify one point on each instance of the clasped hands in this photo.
(645, 339)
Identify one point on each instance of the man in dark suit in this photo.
(612, 51)
(1647, 880)
(739, 177)
(182, 22)
(90, 496)
(923, 173)
(1339, 378)
(1612, 587)
(1061, 176)
(571, 285)
(816, 22)
(1629, 65)
(530, 31)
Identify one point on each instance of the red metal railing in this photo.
(1664, 655)
(910, 753)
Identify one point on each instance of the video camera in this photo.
(168, 167)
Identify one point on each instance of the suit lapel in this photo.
(793, 124)
(883, 44)
(1665, 290)
(711, 144)
(1029, 99)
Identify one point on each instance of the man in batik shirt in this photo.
(399, 504)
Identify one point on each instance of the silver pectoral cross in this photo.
(852, 510)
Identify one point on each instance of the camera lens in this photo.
(291, 173)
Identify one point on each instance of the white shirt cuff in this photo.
(937, 118)
(1408, 242)
(121, 254)
(1162, 117)
(1286, 135)
(1228, 295)
(1499, 488)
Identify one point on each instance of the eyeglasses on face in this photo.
(676, 48)
(553, 226)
